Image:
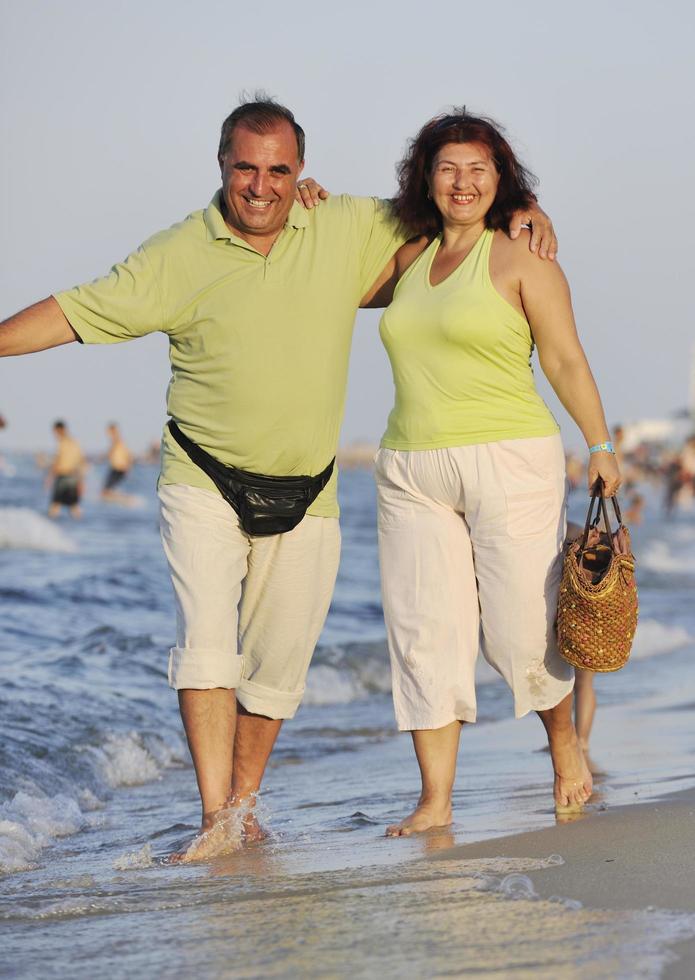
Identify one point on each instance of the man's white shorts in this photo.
(249, 610)
(470, 542)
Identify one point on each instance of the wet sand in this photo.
(624, 858)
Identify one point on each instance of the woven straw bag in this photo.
(597, 602)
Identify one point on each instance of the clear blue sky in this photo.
(110, 117)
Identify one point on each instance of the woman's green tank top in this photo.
(461, 359)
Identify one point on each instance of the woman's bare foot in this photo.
(573, 781)
(425, 816)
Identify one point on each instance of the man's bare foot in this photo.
(573, 781)
(252, 831)
(248, 805)
(221, 833)
(425, 816)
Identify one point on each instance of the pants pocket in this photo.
(534, 513)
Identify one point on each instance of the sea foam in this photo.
(21, 528)
(33, 820)
(131, 759)
(29, 823)
(654, 638)
(674, 556)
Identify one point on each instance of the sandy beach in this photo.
(628, 858)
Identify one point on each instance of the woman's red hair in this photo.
(412, 205)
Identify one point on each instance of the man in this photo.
(258, 298)
(120, 461)
(67, 470)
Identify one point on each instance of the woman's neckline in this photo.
(437, 242)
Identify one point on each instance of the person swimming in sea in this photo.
(67, 470)
(120, 461)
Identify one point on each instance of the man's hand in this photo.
(543, 237)
(310, 193)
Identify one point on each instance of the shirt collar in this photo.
(217, 227)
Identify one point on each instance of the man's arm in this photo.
(543, 238)
(39, 327)
(381, 292)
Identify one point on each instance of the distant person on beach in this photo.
(66, 473)
(259, 346)
(574, 468)
(672, 477)
(120, 462)
(635, 509)
(678, 472)
(471, 473)
(686, 460)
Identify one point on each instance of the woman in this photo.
(470, 476)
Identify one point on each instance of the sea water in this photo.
(96, 785)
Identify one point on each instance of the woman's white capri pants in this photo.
(470, 543)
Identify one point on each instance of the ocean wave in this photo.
(340, 674)
(135, 860)
(348, 672)
(654, 638)
(30, 823)
(33, 819)
(663, 557)
(133, 759)
(21, 528)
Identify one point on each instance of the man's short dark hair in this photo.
(59, 424)
(261, 115)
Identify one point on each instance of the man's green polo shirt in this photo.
(259, 346)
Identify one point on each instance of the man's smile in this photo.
(255, 202)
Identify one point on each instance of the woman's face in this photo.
(463, 183)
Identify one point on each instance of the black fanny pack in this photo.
(264, 504)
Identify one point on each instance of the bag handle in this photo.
(598, 499)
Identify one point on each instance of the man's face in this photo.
(259, 178)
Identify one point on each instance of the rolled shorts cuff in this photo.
(201, 669)
(266, 701)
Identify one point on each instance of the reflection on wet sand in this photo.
(474, 917)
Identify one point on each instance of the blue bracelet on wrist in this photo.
(602, 447)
